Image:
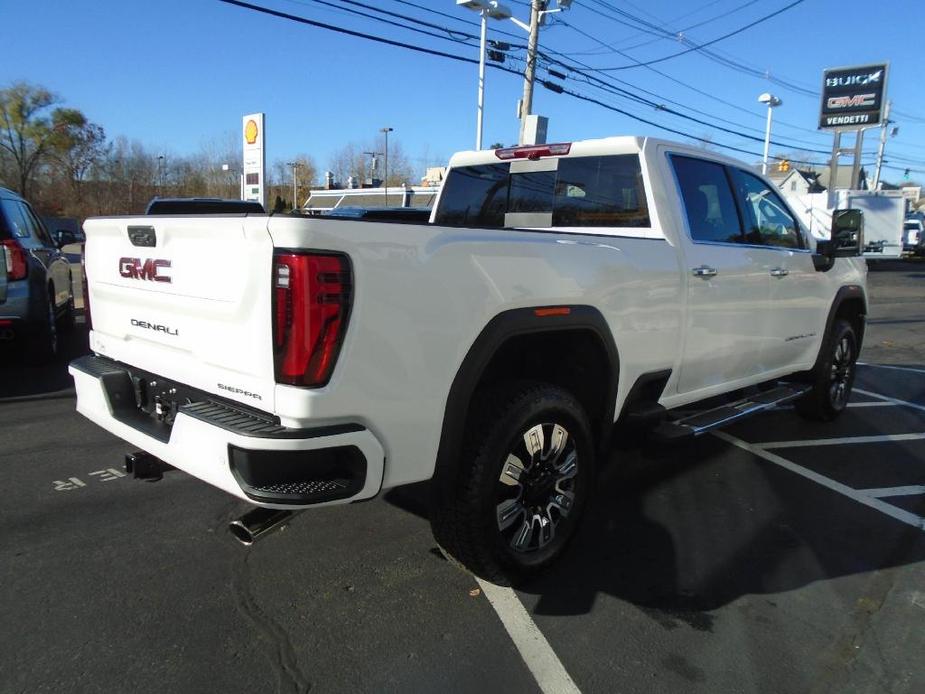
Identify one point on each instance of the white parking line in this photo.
(893, 368)
(541, 660)
(884, 492)
(878, 403)
(882, 438)
(895, 401)
(843, 489)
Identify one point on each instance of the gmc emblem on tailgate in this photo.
(150, 269)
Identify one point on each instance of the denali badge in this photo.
(156, 327)
(239, 391)
(150, 269)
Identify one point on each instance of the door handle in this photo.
(704, 272)
(779, 272)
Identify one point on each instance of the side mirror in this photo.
(847, 233)
(847, 239)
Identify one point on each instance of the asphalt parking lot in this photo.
(778, 556)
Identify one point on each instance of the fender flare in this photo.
(851, 291)
(501, 328)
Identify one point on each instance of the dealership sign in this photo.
(254, 158)
(853, 97)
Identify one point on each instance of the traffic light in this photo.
(783, 166)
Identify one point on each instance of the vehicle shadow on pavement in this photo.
(19, 379)
(680, 533)
(684, 532)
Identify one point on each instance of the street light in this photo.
(772, 102)
(386, 179)
(493, 10)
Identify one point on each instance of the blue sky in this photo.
(177, 74)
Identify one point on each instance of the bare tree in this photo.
(356, 159)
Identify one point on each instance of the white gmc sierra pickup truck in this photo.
(557, 291)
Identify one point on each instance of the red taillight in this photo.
(85, 287)
(311, 295)
(16, 266)
(534, 151)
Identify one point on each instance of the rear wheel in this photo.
(833, 377)
(42, 345)
(524, 479)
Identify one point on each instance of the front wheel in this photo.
(524, 479)
(833, 377)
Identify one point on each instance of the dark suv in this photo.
(39, 295)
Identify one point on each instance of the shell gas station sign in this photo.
(254, 165)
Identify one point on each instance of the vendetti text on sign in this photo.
(853, 97)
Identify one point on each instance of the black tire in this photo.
(833, 376)
(41, 346)
(66, 322)
(545, 487)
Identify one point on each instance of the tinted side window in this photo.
(18, 226)
(475, 196)
(708, 202)
(38, 227)
(767, 220)
(600, 191)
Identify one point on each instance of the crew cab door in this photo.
(797, 309)
(728, 282)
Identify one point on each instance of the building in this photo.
(814, 179)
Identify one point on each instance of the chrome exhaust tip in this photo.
(257, 524)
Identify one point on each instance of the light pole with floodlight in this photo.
(772, 102)
(493, 10)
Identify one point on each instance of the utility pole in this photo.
(526, 105)
(295, 165)
(385, 180)
(883, 133)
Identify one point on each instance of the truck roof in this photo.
(620, 144)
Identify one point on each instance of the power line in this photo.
(443, 54)
(351, 32)
(708, 43)
(736, 106)
(688, 86)
(454, 17)
(448, 37)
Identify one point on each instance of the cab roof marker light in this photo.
(534, 151)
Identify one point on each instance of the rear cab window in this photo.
(577, 191)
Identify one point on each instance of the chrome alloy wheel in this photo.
(536, 488)
(841, 373)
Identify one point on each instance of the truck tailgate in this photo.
(186, 298)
